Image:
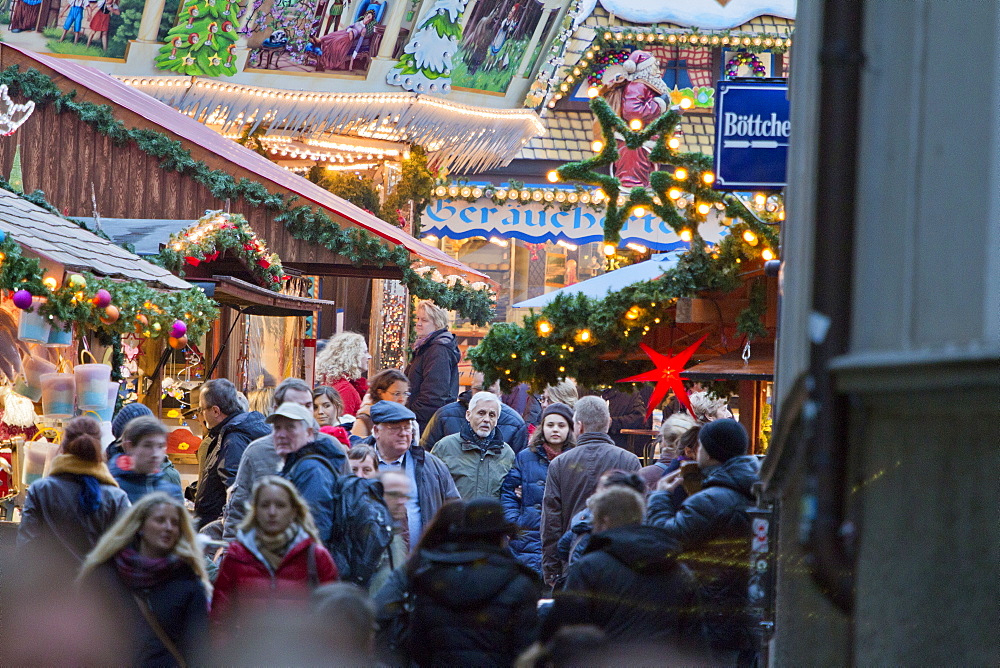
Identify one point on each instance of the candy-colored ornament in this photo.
(178, 329)
(102, 298)
(22, 299)
(111, 314)
(77, 282)
(157, 326)
(178, 342)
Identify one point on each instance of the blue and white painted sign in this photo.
(533, 223)
(751, 135)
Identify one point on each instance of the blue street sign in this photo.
(751, 135)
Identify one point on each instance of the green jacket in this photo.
(477, 471)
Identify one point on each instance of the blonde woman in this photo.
(708, 408)
(151, 572)
(433, 371)
(561, 393)
(342, 365)
(276, 560)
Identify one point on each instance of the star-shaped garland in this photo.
(666, 375)
(690, 173)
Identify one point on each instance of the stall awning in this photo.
(253, 300)
(63, 241)
(599, 286)
(96, 86)
(732, 367)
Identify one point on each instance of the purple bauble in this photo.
(22, 299)
(102, 298)
(178, 329)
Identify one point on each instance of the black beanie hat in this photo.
(724, 439)
(559, 409)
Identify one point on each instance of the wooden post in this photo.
(750, 410)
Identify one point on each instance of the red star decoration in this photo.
(666, 375)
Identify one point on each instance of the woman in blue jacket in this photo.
(523, 488)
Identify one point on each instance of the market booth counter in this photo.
(69, 297)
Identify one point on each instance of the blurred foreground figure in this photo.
(150, 573)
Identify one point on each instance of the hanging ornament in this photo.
(178, 329)
(77, 282)
(111, 314)
(102, 298)
(22, 299)
(177, 342)
(666, 375)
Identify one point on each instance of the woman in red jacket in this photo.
(342, 365)
(275, 562)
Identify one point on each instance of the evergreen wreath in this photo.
(745, 58)
(303, 222)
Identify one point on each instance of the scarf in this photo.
(142, 572)
(89, 475)
(274, 548)
(492, 440)
(424, 339)
(550, 452)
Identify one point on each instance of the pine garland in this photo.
(303, 222)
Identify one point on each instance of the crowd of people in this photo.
(394, 521)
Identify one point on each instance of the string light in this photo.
(708, 178)
(704, 208)
(583, 336)
(552, 176)
(750, 237)
(609, 250)
(638, 212)
(635, 124)
(544, 329)
(686, 235)
(767, 254)
(680, 174)
(597, 146)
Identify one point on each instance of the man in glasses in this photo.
(429, 477)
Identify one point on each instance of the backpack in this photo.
(361, 526)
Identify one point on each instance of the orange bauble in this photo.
(110, 314)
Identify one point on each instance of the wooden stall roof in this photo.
(732, 367)
(65, 242)
(143, 111)
(255, 300)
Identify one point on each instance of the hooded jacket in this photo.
(712, 528)
(528, 473)
(629, 583)
(219, 458)
(473, 605)
(259, 460)
(53, 518)
(315, 479)
(138, 485)
(248, 584)
(571, 479)
(433, 375)
(449, 419)
(478, 466)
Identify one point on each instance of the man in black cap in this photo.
(713, 530)
(429, 477)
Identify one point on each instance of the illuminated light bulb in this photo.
(781, 215)
(635, 124)
(686, 235)
(686, 103)
(544, 329)
(562, 369)
(639, 212)
(466, 191)
(680, 173)
(593, 92)
(609, 249)
(50, 282)
(552, 176)
(501, 194)
(513, 194)
(453, 191)
(708, 178)
(704, 208)
(674, 143)
(513, 356)
(767, 254)
(583, 335)
(585, 198)
(597, 146)
(572, 197)
(759, 199)
(477, 192)
(632, 313)
(750, 237)
(674, 193)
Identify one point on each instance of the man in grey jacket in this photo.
(573, 476)
(261, 460)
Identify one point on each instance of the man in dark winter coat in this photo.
(472, 603)
(450, 418)
(429, 477)
(433, 372)
(712, 528)
(628, 581)
(311, 464)
(573, 477)
(230, 430)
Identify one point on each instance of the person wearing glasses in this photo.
(396, 451)
(386, 385)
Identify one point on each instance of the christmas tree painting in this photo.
(426, 63)
(203, 41)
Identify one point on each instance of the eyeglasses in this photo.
(397, 395)
(397, 427)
